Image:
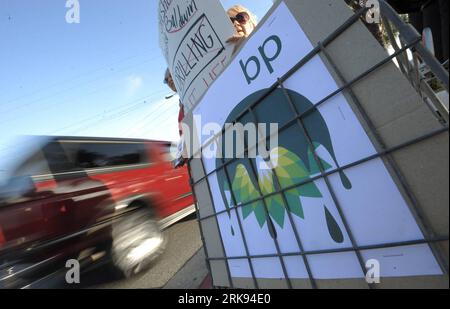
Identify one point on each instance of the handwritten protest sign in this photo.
(192, 39)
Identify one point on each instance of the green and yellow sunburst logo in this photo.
(256, 182)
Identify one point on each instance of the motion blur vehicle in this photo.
(89, 199)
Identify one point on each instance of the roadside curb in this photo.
(192, 275)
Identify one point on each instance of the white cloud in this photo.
(133, 84)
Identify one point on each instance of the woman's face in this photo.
(243, 29)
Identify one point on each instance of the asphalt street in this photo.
(182, 264)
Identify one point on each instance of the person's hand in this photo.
(179, 162)
(237, 40)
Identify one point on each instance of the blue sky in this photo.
(101, 77)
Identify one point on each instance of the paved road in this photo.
(184, 244)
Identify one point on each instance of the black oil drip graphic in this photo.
(333, 226)
(318, 134)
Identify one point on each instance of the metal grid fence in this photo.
(411, 41)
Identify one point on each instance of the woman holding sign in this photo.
(244, 23)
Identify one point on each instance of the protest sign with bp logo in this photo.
(275, 192)
(192, 38)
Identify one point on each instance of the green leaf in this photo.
(276, 209)
(260, 213)
(243, 188)
(309, 190)
(288, 166)
(295, 204)
(247, 210)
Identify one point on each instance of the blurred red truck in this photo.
(88, 199)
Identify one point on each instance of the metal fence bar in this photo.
(270, 226)
(197, 211)
(291, 220)
(217, 223)
(343, 168)
(319, 163)
(412, 39)
(241, 228)
(347, 249)
(336, 33)
(402, 59)
(311, 109)
(433, 102)
(380, 146)
(410, 34)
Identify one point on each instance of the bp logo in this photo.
(290, 162)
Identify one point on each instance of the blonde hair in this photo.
(235, 9)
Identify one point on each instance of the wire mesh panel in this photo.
(326, 167)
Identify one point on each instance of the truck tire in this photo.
(136, 242)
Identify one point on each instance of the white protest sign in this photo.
(374, 208)
(192, 38)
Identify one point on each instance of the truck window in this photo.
(58, 161)
(33, 166)
(97, 155)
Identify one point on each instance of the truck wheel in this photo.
(137, 240)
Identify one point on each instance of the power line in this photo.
(116, 116)
(157, 116)
(63, 102)
(164, 123)
(76, 86)
(62, 82)
(94, 118)
(70, 79)
(126, 107)
(140, 123)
